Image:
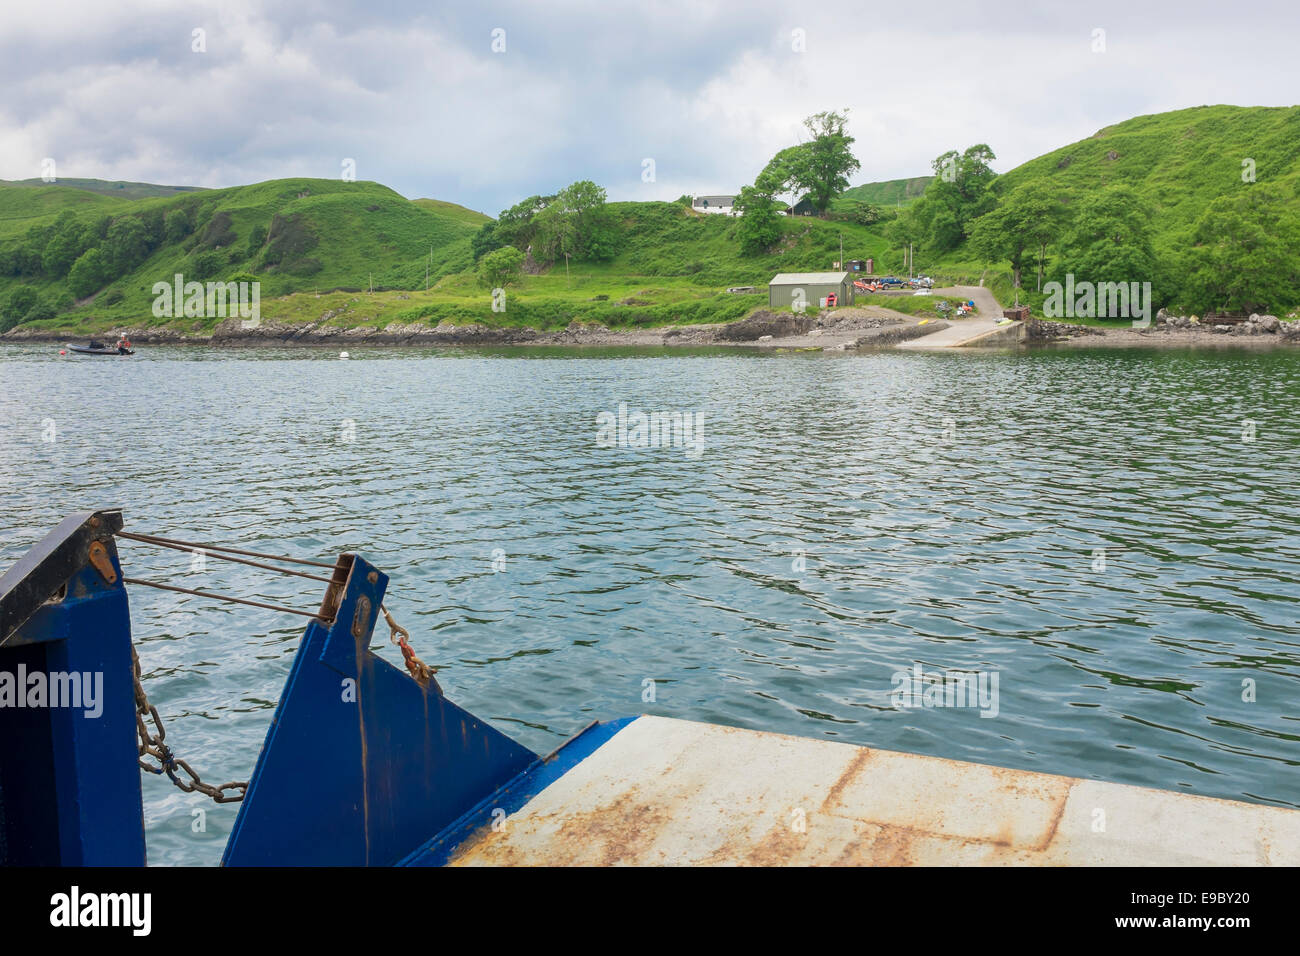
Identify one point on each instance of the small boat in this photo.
(96, 349)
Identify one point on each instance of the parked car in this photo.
(892, 281)
(921, 282)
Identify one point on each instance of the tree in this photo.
(500, 267)
(864, 213)
(1024, 222)
(959, 194)
(43, 308)
(68, 240)
(760, 221)
(1242, 257)
(16, 306)
(821, 167)
(783, 172)
(88, 274)
(517, 225)
(485, 240)
(176, 226)
(1110, 240)
(575, 223)
(126, 246)
(208, 264)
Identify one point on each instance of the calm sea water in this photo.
(1114, 534)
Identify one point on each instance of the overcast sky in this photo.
(417, 95)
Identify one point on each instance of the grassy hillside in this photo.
(454, 211)
(315, 245)
(892, 192)
(670, 266)
(290, 234)
(114, 188)
(1178, 164)
(1179, 161)
(22, 206)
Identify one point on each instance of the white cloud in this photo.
(709, 91)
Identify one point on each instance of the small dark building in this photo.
(803, 207)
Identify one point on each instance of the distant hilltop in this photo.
(106, 187)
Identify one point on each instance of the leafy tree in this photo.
(176, 226)
(154, 227)
(517, 225)
(16, 306)
(822, 166)
(27, 257)
(1243, 254)
(783, 172)
(863, 213)
(68, 240)
(485, 240)
(126, 246)
(204, 265)
(1022, 224)
(958, 195)
(501, 267)
(575, 223)
(43, 308)
(89, 273)
(1110, 239)
(760, 222)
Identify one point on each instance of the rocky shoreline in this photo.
(1170, 329)
(836, 330)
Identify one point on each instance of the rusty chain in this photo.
(168, 762)
(154, 744)
(417, 668)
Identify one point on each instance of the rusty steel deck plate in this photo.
(672, 792)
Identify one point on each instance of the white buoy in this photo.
(344, 355)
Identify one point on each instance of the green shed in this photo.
(811, 287)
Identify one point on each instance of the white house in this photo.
(726, 205)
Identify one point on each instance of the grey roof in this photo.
(809, 278)
(721, 200)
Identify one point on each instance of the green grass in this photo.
(892, 192)
(23, 206)
(365, 233)
(454, 211)
(113, 188)
(669, 264)
(1178, 161)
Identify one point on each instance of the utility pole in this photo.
(841, 252)
(566, 270)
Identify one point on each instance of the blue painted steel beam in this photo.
(362, 764)
(69, 777)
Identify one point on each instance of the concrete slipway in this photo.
(983, 331)
(671, 792)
